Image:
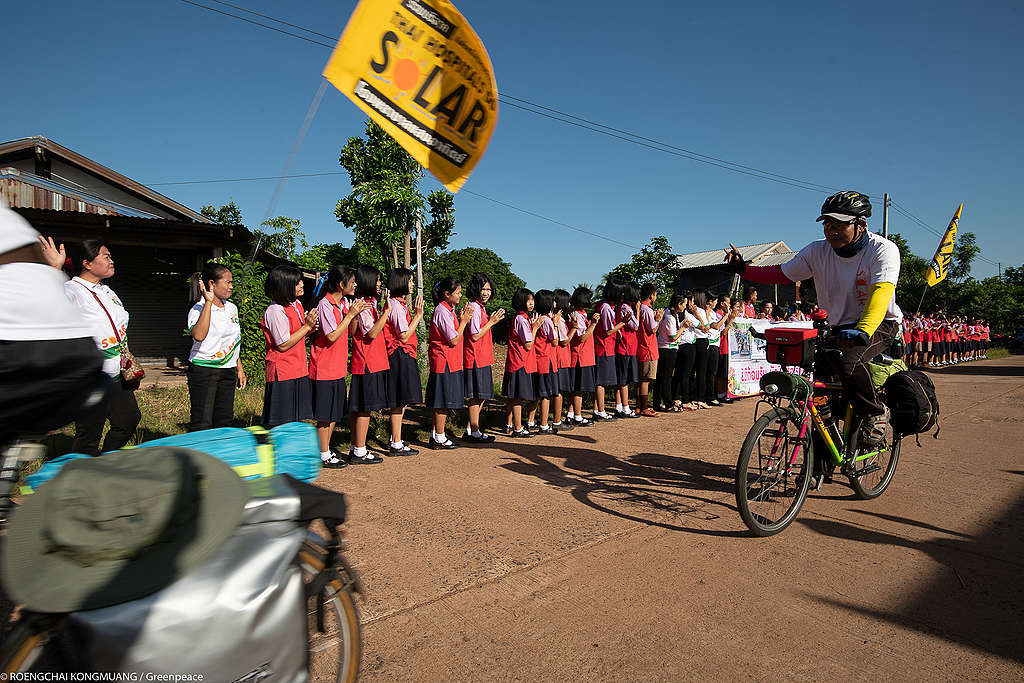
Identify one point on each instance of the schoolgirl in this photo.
(404, 386)
(582, 361)
(446, 388)
(716, 321)
(545, 380)
(107, 318)
(699, 311)
(604, 346)
(626, 348)
(647, 347)
(370, 370)
(520, 362)
(288, 395)
(328, 356)
(478, 354)
(213, 359)
(562, 310)
(668, 334)
(683, 380)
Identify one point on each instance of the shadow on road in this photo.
(977, 600)
(651, 488)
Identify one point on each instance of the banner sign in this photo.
(940, 262)
(420, 72)
(747, 355)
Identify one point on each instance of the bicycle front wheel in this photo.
(335, 650)
(771, 484)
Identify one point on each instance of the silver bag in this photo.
(240, 616)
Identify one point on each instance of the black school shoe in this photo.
(563, 426)
(404, 450)
(370, 458)
(483, 438)
(623, 414)
(446, 446)
(335, 462)
(607, 417)
(523, 433)
(581, 422)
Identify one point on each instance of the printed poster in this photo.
(747, 355)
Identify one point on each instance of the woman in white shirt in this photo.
(669, 332)
(91, 264)
(216, 341)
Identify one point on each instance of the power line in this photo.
(272, 28)
(243, 180)
(906, 212)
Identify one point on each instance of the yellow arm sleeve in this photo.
(874, 310)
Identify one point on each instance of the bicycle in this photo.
(776, 461)
(334, 638)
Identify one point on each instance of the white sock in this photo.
(359, 451)
(618, 408)
(440, 438)
(556, 424)
(469, 430)
(325, 455)
(397, 444)
(477, 433)
(570, 415)
(531, 424)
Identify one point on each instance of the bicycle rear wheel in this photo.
(870, 477)
(334, 652)
(770, 489)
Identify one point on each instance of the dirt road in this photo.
(616, 552)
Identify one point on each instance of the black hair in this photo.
(612, 292)
(336, 277)
(445, 286)
(700, 299)
(543, 301)
(807, 307)
(211, 271)
(710, 296)
(748, 290)
(630, 293)
(582, 298)
(84, 251)
(399, 281)
(647, 289)
(280, 284)
(366, 282)
(520, 298)
(561, 301)
(476, 284)
(676, 299)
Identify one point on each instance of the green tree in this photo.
(655, 263)
(464, 263)
(282, 236)
(964, 251)
(227, 214)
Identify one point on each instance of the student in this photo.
(582, 361)
(446, 388)
(668, 334)
(213, 359)
(328, 357)
(683, 380)
(288, 395)
(107, 318)
(565, 335)
(545, 380)
(722, 376)
(767, 311)
(478, 354)
(521, 362)
(716, 321)
(647, 346)
(698, 310)
(749, 301)
(626, 369)
(604, 346)
(404, 386)
(370, 370)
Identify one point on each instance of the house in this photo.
(706, 270)
(157, 243)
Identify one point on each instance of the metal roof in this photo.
(29, 191)
(716, 257)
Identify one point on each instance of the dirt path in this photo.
(616, 553)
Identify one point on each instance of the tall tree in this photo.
(655, 262)
(227, 214)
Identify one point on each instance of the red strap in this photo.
(112, 325)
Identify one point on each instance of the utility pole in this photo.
(1000, 266)
(885, 217)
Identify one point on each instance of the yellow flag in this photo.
(420, 72)
(940, 262)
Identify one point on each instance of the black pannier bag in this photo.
(911, 398)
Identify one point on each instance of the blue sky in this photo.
(918, 99)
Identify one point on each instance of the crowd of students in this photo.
(938, 340)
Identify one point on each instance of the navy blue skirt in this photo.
(369, 392)
(445, 390)
(626, 369)
(479, 382)
(545, 385)
(582, 379)
(606, 374)
(329, 401)
(518, 385)
(287, 400)
(564, 380)
(404, 388)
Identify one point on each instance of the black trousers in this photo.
(852, 369)
(701, 356)
(663, 384)
(686, 356)
(121, 408)
(211, 394)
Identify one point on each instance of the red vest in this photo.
(290, 364)
(391, 335)
(564, 359)
(581, 353)
(647, 342)
(603, 346)
(442, 354)
(369, 355)
(479, 353)
(544, 351)
(519, 357)
(625, 339)
(327, 360)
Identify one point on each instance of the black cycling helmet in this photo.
(846, 206)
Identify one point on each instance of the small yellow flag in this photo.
(420, 72)
(940, 262)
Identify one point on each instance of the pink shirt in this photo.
(479, 319)
(365, 320)
(445, 322)
(276, 321)
(580, 320)
(633, 323)
(547, 328)
(325, 309)
(522, 329)
(563, 331)
(647, 318)
(396, 316)
(607, 317)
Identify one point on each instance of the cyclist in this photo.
(855, 273)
